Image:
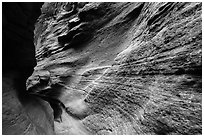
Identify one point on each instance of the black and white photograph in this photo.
(101, 67)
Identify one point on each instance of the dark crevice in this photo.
(56, 105)
(134, 13)
(162, 12)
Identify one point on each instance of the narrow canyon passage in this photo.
(104, 68)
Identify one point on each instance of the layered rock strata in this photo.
(121, 68)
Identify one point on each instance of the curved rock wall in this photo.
(21, 113)
(121, 68)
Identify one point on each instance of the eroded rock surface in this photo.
(121, 68)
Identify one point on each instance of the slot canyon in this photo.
(102, 68)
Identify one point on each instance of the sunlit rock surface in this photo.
(121, 68)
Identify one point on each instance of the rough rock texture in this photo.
(21, 113)
(121, 68)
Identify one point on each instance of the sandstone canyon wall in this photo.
(119, 68)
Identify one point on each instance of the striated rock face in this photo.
(121, 68)
(22, 113)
